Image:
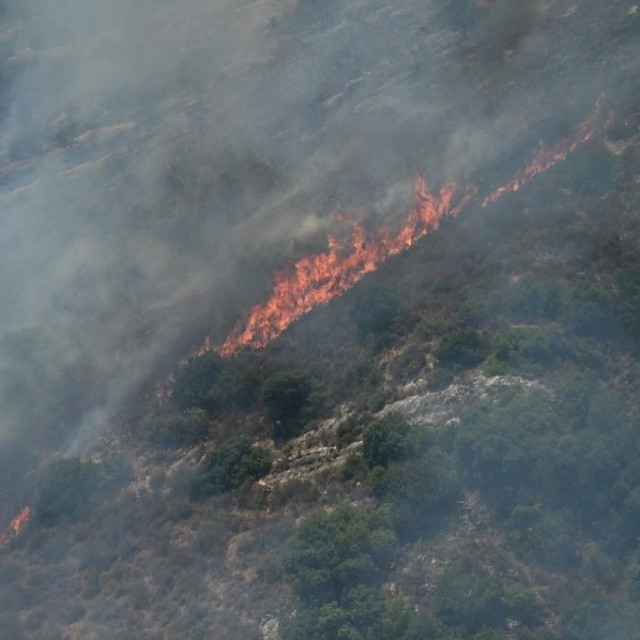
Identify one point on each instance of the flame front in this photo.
(546, 159)
(317, 279)
(16, 526)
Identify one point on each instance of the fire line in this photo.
(317, 279)
(15, 527)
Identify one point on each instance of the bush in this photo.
(628, 302)
(286, 396)
(589, 311)
(175, 430)
(374, 312)
(230, 465)
(364, 614)
(575, 454)
(423, 492)
(349, 430)
(543, 537)
(530, 352)
(331, 553)
(471, 600)
(354, 468)
(195, 380)
(594, 617)
(67, 486)
(534, 300)
(386, 440)
(214, 384)
(463, 348)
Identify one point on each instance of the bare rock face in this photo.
(436, 408)
(314, 452)
(308, 455)
(270, 629)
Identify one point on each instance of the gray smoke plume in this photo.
(159, 158)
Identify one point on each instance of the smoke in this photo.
(160, 158)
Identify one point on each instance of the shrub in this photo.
(530, 352)
(373, 312)
(348, 431)
(231, 464)
(589, 311)
(575, 454)
(473, 601)
(209, 382)
(470, 599)
(354, 468)
(331, 553)
(286, 395)
(378, 481)
(548, 538)
(463, 348)
(67, 486)
(593, 617)
(194, 382)
(364, 614)
(175, 430)
(386, 440)
(533, 300)
(628, 302)
(423, 492)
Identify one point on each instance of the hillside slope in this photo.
(448, 450)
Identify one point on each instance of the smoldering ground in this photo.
(161, 158)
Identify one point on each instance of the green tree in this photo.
(286, 396)
(331, 553)
(364, 614)
(195, 380)
(67, 486)
(423, 493)
(533, 300)
(462, 348)
(386, 440)
(470, 599)
(594, 617)
(230, 465)
(589, 311)
(628, 300)
(175, 430)
(212, 383)
(374, 312)
(545, 537)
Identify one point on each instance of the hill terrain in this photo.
(448, 450)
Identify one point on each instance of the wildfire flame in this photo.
(206, 347)
(546, 158)
(16, 526)
(317, 279)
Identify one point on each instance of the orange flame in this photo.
(317, 279)
(16, 526)
(206, 347)
(545, 158)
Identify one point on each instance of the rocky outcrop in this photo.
(436, 408)
(315, 451)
